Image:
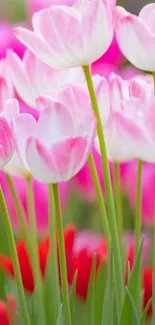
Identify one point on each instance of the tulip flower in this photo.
(56, 147)
(129, 131)
(32, 78)
(136, 36)
(24, 260)
(86, 246)
(4, 312)
(70, 36)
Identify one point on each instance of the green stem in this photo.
(53, 251)
(19, 208)
(118, 203)
(138, 207)
(153, 74)
(14, 256)
(110, 199)
(62, 257)
(34, 251)
(104, 217)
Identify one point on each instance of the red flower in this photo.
(43, 250)
(82, 261)
(4, 312)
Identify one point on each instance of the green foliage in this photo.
(132, 299)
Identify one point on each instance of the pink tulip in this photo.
(129, 132)
(37, 5)
(136, 36)
(7, 147)
(32, 78)
(8, 40)
(40, 198)
(56, 147)
(70, 36)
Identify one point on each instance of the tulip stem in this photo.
(100, 197)
(53, 261)
(153, 74)
(138, 206)
(109, 193)
(34, 250)
(118, 202)
(62, 257)
(14, 255)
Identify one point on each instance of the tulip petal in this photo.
(11, 109)
(23, 125)
(55, 121)
(34, 43)
(20, 79)
(140, 88)
(146, 11)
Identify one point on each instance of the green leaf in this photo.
(90, 303)
(144, 314)
(60, 320)
(107, 310)
(72, 295)
(99, 292)
(50, 286)
(135, 292)
(135, 316)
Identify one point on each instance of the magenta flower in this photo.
(129, 131)
(32, 78)
(81, 42)
(7, 147)
(136, 36)
(56, 147)
(9, 41)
